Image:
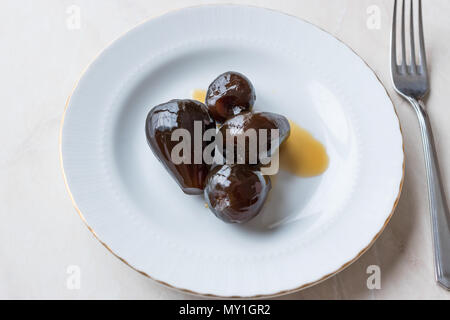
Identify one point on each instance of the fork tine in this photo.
(413, 67)
(422, 54)
(409, 79)
(394, 67)
(403, 63)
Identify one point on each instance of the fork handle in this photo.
(440, 215)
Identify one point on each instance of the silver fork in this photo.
(411, 82)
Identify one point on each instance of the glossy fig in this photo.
(188, 170)
(245, 142)
(228, 95)
(236, 193)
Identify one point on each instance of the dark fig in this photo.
(246, 128)
(236, 193)
(190, 171)
(228, 95)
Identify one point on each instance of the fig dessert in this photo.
(238, 129)
(228, 95)
(183, 135)
(160, 125)
(236, 193)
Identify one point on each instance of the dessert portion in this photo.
(238, 129)
(160, 125)
(228, 95)
(182, 133)
(300, 154)
(236, 193)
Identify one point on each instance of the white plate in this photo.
(309, 229)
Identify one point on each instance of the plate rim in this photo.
(188, 291)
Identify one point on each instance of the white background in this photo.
(41, 235)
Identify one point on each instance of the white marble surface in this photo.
(40, 233)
